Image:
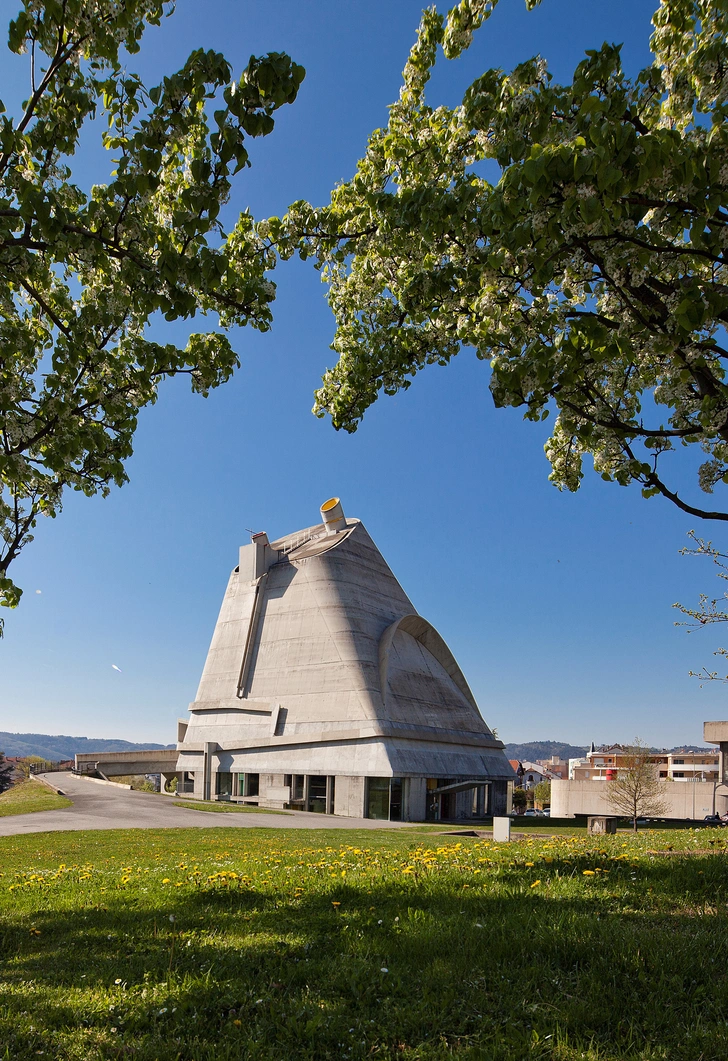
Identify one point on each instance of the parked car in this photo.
(714, 819)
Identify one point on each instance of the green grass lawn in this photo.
(25, 797)
(276, 944)
(223, 808)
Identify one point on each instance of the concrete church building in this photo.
(324, 690)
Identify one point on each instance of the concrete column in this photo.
(416, 804)
(209, 770)
(498, 798)
(349, 796)
(723, 762)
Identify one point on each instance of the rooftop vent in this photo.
(332, 515)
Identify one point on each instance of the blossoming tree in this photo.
(82, 271)
(591, 275)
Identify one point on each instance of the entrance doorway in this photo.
(385, 798)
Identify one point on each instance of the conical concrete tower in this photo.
(324, 690)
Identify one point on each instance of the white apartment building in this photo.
(602, 764)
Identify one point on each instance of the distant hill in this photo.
(544, 749)
(60, 747)
(541, 749)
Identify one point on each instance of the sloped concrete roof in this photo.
(319, 663)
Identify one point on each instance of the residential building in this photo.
(556, 767)
(534, 774)
(602, 764)
(708, 770)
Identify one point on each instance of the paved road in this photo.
(98, 806)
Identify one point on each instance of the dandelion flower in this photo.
(535, 883)
(588, 873)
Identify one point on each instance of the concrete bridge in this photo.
(119, 764)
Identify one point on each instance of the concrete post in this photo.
(501, 830)
(208, 769)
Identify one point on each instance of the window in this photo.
(247, 785)
(679, 762)
(317, 795)
(480, 796)
(378, 798)
(224, 785)
(395, 800)
(385, 799)
(678, 775)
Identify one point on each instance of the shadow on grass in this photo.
(421, 969)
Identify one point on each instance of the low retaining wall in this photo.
(682, 799)
(101, 781)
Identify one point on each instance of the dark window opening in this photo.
(224, 785)
(378, 798)
(395, 800)
(317, 795)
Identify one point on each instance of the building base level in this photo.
(412, 799)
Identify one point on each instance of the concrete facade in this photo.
(323, 689)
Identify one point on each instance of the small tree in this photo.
(520, 799)
(709, 610)
(636, 789)
(6, 773)
(542, 792)
(25, 764)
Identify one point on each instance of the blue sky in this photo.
(558, 607)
